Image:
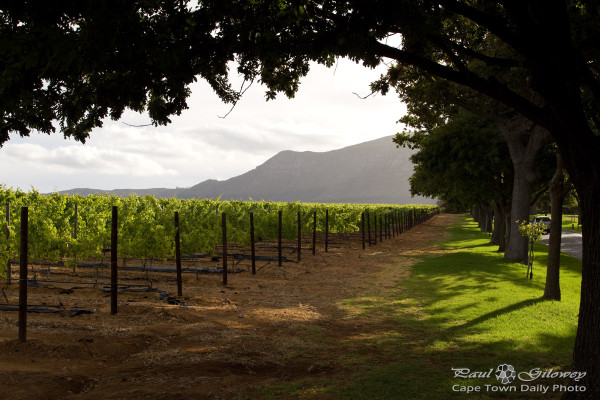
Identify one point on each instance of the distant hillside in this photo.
(370, 172)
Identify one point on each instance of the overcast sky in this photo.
(198, 145)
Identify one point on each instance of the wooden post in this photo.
(380, 228)
(224, 231)
(75, 231)
(279, 244)
(178, 255)
(113, 260)
(375, 228)
(386, 226)
(8, 266)
(76, 224)
(401, 216)
(252, 246)
(314, 246)
(23, 261)
(400, 221)
(362, 228)
(369, 227)
(299, 236)
(326, 230)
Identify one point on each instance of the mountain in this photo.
(370, 172)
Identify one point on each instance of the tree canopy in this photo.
(75, 63)
(463, 154)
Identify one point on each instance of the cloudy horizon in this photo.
(200, 144)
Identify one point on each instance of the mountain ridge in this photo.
(369, 172)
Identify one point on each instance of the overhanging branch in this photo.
(496, 25)
(488, 86)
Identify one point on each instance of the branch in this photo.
(491, 87)
(488, 60)
(495, 24)
(363, 97)
(536, 196)
(589, 81)
(241, 93)
(447, 49)
(137, 126)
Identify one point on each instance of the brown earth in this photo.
(284, 324)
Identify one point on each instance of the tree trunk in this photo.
(489, 215)
(475, 213)
(499, 235)
(514, 130)
(506, 227)
(481, 218)
(516, 249)
(586, 353)
(498, 221)
(558, 190)
(502, 244)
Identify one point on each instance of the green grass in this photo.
(569, 222)
(476, 310)
(467, 308)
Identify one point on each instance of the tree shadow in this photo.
(496, 313)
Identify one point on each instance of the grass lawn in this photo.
(470, 308)
(569, 222)
(463, 306)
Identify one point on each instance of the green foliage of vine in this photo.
(531, 231)
(147, 229)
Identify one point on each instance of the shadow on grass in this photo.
(459, 273)
(472, 309)
(496, 313)
(467, 309)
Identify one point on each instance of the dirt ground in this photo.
(282, 324)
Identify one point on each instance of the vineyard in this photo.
(67, 237)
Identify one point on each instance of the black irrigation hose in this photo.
(46, 309)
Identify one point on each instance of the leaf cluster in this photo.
(463, 162)
(76, 63)
(531, 231)
(146, 228)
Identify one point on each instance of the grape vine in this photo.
(146, 224)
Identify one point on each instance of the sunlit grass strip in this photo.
(468, 308)
(477, 311)
(571, 223)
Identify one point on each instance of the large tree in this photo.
(66, 63)
(464, 162)
(555, 47)
(560, 186)
(73, 63)
(431, 102)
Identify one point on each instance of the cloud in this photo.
(88, 159)
(198, 145)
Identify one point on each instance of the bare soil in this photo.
(283, 324)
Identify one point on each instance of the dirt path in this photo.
(281, 325)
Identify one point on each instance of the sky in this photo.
(198, 145)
